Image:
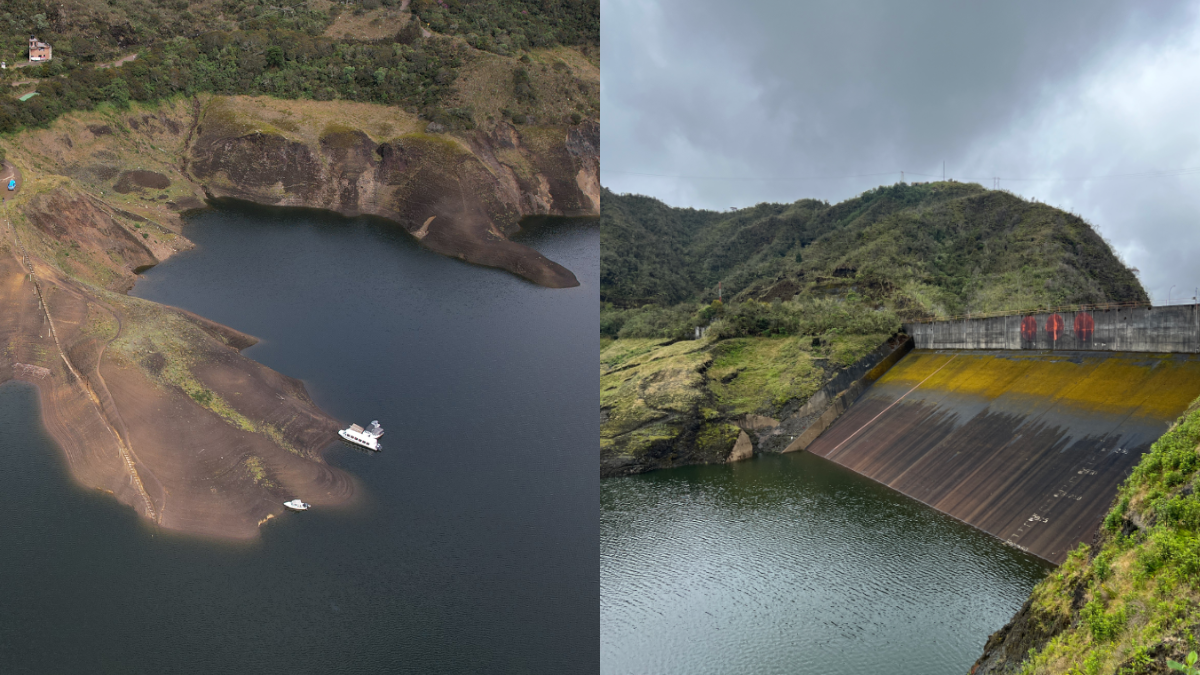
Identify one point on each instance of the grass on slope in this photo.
(648, 387)
(1141, 599)
(646, 380)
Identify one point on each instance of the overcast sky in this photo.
(730, 104)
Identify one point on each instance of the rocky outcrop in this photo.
(743, 449)
(475, 186)
(1007, 648)
(659, 409)
(75, 223)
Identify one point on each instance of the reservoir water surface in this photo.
(474, 545)
(793, 564)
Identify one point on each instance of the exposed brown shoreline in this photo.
(156, 405)
(125, 429)
(461, 195)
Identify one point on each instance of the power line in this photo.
(663, 175)
(1168, 173)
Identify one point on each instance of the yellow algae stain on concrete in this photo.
(1117, 383)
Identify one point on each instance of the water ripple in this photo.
(794, 565)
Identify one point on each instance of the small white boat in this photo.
(297, 505)
(367, 438)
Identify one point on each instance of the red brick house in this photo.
(38, 50)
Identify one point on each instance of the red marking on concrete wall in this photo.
(1029, 329)
(1054, 326)
(1084, 325)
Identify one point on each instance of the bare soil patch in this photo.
(132, 180)
(383, 22)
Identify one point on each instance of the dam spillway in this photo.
(1028, 446)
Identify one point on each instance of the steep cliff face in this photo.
(462, 194)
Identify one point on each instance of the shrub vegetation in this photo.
(921, 250)
(275, 48)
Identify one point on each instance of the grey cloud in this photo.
(772, 90)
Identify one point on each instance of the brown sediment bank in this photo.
(158, 407)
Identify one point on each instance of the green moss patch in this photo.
(759, 375)
(650, 383)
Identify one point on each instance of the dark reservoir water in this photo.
(475, 546)
(792, 564)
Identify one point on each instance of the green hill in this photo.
(932, 249)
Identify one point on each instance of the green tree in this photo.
(118, 92)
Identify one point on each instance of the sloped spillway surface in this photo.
(1027, 446)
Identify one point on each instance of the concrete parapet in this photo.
(1163, 330)
(804, 426)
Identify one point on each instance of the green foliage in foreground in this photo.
(1189, 667)
(1141, 585)
(930, 249)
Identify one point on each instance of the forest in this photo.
(278, 49)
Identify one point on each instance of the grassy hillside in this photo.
(544, 55)
(923, 250)
(669, 403)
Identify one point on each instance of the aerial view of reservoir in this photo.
(471, 542)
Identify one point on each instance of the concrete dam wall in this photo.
(1174, 329)
(1029, 447)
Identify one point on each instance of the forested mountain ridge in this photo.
(926, 250)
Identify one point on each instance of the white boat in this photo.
(367, 438)
(297, 505)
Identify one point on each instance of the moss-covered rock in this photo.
(665, 403)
